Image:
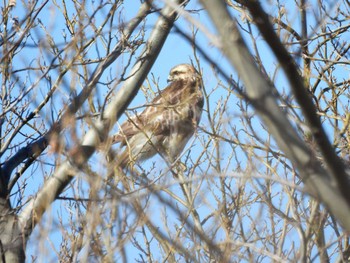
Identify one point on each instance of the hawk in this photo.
(167, 123)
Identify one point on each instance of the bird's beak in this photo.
(170, 78)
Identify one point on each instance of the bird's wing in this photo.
(177, 108)
(159, 117)
(128, 129)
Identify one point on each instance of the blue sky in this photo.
(176, 50)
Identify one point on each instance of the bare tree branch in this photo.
(63, 175)
(251, 185)
(34, 149)
(334, 164)
(260, 94)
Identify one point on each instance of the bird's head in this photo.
(183, 72)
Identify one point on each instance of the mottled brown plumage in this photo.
(168, 122)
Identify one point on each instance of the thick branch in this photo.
(12, 245)
(36, 148)
(260, 94)
(63, 174)
(333, 162)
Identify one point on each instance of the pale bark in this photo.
(12, 241)
(34, 149)
(260, 94)
(63, 175)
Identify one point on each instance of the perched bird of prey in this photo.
(167, 123)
